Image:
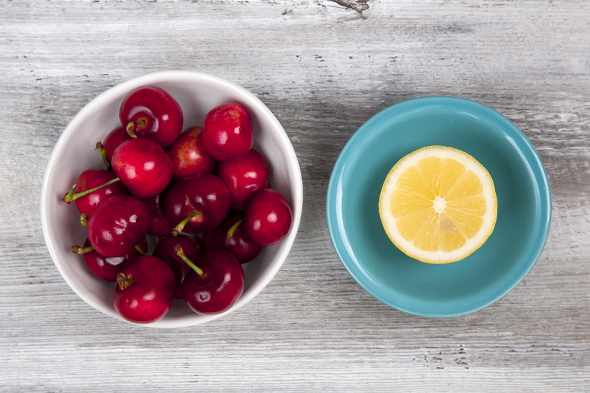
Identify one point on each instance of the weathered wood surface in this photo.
(323, 69)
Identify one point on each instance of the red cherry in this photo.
(227, 132)
(117, 225)
(144, 292)
(108, 268)
(114, 139)
(93, 178)
(143, 167)
(188, 156)
(231, 236)
(197, 204)
(159, 225)
(193, 249)
(215, 285)
(268, 217)
(242, 177)
(150, 112)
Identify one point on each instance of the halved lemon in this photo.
(438, 205)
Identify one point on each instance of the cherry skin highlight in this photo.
(108, 268)
(143, 167)
(188, 155)
(205, 197)
(231, 236)
(222, 285)
(268, 217)
(117, 225)
(90, 179)
(159, 225)
(193, 248)
(244, 176)
(150, 112)
(114, 139)
(227, 132)
(145, 289)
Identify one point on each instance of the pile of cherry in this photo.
(206, 180)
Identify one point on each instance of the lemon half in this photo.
(438, 205)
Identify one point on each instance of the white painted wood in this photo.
(323, 70)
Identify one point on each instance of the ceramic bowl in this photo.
(522, 189)
(73, 153)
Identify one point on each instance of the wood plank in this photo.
(323, 70)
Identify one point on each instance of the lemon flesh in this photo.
(438, 205)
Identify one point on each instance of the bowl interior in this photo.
(74, 152)
(486, 275)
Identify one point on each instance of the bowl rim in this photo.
(158, 77)
(367, 129)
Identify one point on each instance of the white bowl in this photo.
(73, 153)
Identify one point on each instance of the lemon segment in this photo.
(438, 205)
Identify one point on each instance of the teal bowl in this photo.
(484, 277)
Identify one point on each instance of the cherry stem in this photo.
(177, 229)
(129, 130)
(231, 231)
(70, 196)
(131, 126)
(124, 281)
(139, 250)
(80, 250)
(84, 220)
(178, 251)
(103, 153)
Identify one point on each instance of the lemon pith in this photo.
(438, 205)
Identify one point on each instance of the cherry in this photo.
(145, 289)
(150, 112)
(143, 167)
(231, 236)
(215, 285)
(227, 132)
(113, 140)
(88, 180)
(159, 225)
(108, 268)
(268, 217)
(188, 156)
(117, 225)
(193, 249)
(197, 204)
(243, 176)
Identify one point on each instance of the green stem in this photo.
(129, 130)
(131, 126)
(139, 250)
(180, 253)
(84, 220)
(103, 153)
(231, 231)
(80, 250)
(70, 196)
(177, 229)
(124, 281)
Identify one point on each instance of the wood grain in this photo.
(323, 69)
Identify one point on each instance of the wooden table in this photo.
(323, 69)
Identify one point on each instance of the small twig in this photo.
(357, 7)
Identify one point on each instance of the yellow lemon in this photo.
(438, 204)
